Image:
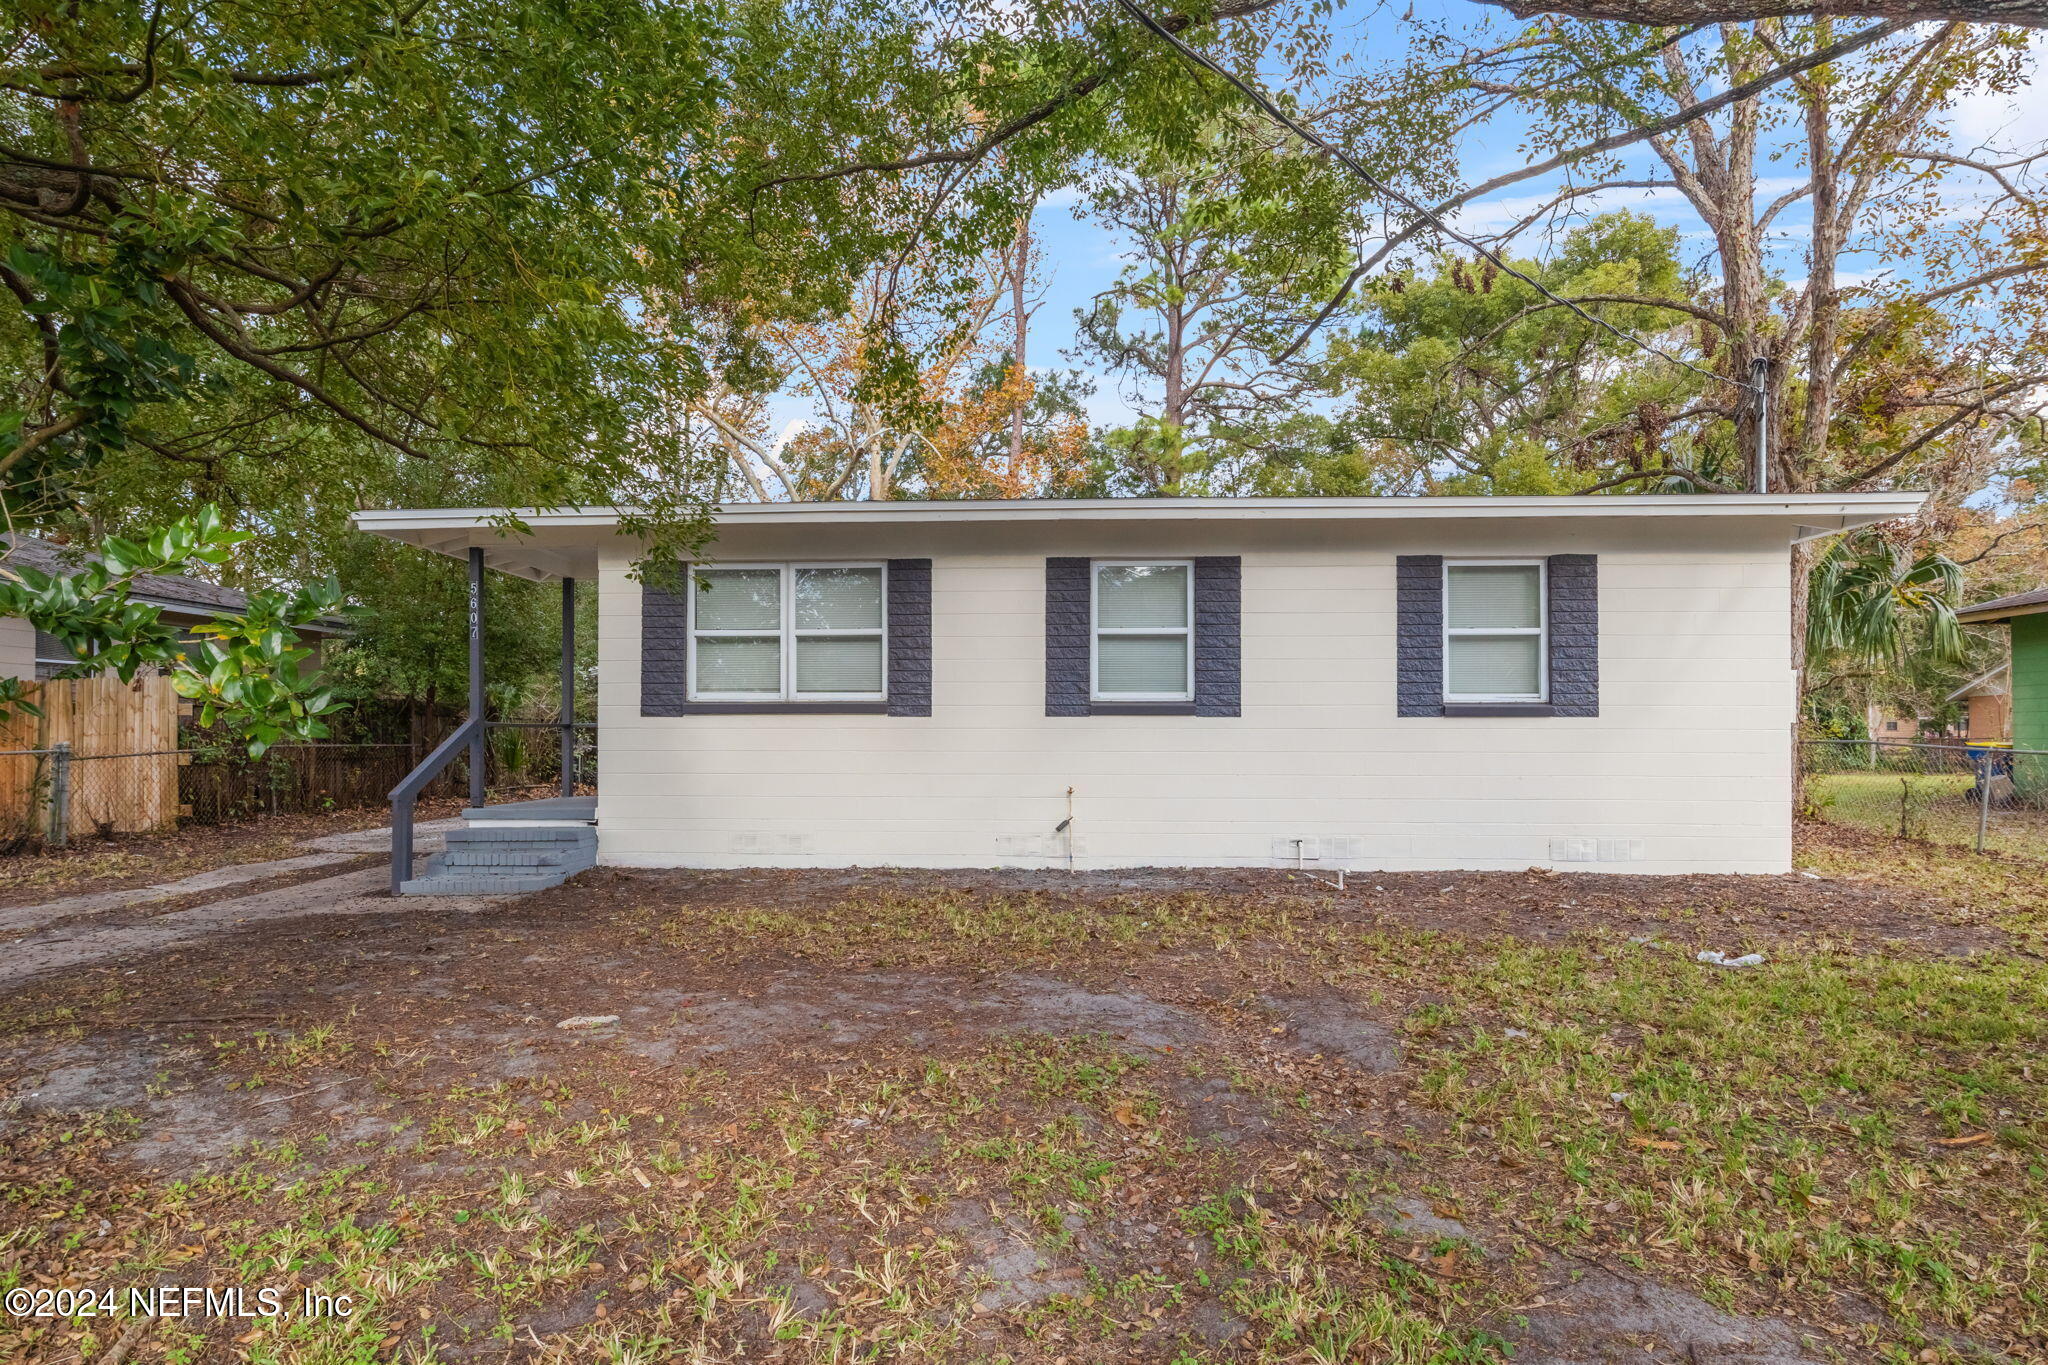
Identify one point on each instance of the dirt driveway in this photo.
(1161, 1116)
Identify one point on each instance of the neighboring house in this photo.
(1987, 701)
(1376, 682)
(2027, 663)
(29, 653)
(1887, 724)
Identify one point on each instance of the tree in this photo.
(1877, 599)
(1686, 13)
(1235, 246)
(1044, 448)
(1917, 377)
(862, 434)
(245, 668)
(1469, 380)
(233, 231)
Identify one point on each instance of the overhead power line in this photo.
(1380, 187)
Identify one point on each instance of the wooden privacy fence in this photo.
(122, 739)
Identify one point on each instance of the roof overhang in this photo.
(1980, 683)
(1991, 614)
(565, 543)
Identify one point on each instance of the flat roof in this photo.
(564, 541)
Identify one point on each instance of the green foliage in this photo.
(1874, 599)
(1236, 244)
(411, 639)
(245, 670)
(1468, 380)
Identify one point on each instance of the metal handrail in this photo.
(540, 725)
(405, 796)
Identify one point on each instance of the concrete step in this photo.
(523, 834)
(508, 855)
(492, 884)
(466, 863)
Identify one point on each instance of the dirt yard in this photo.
(1171, 1117)
(91, 865)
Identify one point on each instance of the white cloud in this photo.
(2006, 122)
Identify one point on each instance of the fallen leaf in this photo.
(1966, 1140)
(1656, 1144)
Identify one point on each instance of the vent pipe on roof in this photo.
(1759, 380)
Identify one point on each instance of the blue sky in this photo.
(1082, 258)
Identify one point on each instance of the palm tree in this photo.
(1872, 601)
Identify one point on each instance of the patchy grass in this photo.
(1931, 807)
(1818, 1124)
(1437, 1121)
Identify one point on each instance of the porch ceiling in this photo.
(551, 549)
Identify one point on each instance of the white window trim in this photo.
(1097, 631)
(788, 632)
(1541, 630)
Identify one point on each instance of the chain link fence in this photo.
(54, 797)
(1989, 797)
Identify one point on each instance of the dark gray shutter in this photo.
(910, 637)
(1219, 610)
(1066, 637)
(1069, 618)
(1574, 635)
(1419, 635)
(665, 644)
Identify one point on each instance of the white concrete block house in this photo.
(1399, 683)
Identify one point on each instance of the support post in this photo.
(60, 794)
(568, 687)
(1760, 386)
(476, 674)
(1983, 797)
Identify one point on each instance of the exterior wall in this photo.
(1694, 620)
(2030, 681)
(1990, 716)
(17, 647)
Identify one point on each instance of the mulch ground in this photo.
(743, 998)
(126, 862)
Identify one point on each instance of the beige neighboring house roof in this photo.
(1994, 683)
(2005, 608)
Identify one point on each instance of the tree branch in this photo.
(2021, 13)
(1016, 123)
(1691, 113)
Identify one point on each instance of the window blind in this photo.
(839, 599)
(739, 599)
(838, 663)
(1138, 595)
(1485, 596)
(1141, 664)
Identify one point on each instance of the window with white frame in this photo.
(788, 632)
(1144, 613)
(1494, 646)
